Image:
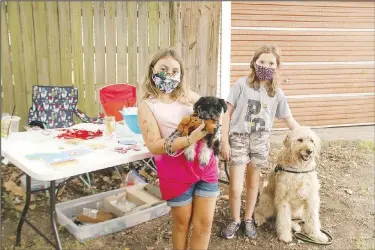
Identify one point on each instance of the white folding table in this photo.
(17, 145)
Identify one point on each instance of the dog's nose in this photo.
(308, 151)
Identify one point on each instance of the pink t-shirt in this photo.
(177, 174)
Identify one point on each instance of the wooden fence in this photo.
(91, 44)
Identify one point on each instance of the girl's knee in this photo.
(203, 225)
(235, 192)
(182, 222)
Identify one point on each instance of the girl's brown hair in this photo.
(253, 80)
(149, 87)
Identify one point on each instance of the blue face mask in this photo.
(164, 83)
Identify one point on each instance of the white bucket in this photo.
(12, 121)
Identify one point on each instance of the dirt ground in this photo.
(346, 174)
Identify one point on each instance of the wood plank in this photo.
(317, 69)
(65, 43)
(296, 23)
(337, 90)
(77, 53)
(122, 42)
(153, 25)
(328, 58)
(300, 11)
(311, 52)
(308, 19)
(91, 109)
(282, 44)
(164, 24)
(99, 47)
(53, 37)
(142, 44)
(14, 25)
(8, 99)
(189, 55)
(176, 26)
(338, 101)
(331, 122)
(28, 42)
(110, 33)
(132, 43)
(303, 36)
(351, 4)
(41, 43)
(207, 49)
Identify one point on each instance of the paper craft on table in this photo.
(59, 157)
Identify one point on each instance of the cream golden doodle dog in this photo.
(292, 190)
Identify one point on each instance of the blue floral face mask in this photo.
(164, 83)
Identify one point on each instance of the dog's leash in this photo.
(306, 238)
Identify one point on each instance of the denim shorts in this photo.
(200, 188)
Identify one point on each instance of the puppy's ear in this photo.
(287, 141)
(223, 104)
(198, 103)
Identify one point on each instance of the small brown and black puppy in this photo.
(207, 108)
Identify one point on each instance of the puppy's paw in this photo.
(321, 237)
(259, 219)
(286, 237)
(296, 227)
(190, 152)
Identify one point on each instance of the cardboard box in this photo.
(111, 204)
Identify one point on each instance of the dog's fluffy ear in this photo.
(317, 144)
(223, 104)
(198, 103)
(287, 141)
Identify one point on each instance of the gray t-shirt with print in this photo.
(254, 109)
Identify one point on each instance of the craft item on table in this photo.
(94, 216)
(110, 126)
(124, 150)
(73, 141)
(59, 158)
(79, 134)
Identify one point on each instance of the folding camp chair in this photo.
(114, 98)
(54, 107)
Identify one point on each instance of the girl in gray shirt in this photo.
(253, 103)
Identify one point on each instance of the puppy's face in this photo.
(210, 107)
(303, 143)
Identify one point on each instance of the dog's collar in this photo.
(281, 168)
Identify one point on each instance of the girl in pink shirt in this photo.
(190, 189)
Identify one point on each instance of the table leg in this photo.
(25, 210)
(53, 214)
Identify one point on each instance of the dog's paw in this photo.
(321, 237)
(296, 227)
(190, 153)
(285, 237)
(259, 219)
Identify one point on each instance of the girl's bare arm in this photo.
(151, 134)
(291, 122)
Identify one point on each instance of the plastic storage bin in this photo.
(68, 210)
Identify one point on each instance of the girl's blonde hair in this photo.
(149, 87)
(253, 80)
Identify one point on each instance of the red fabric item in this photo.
(79, 134)
(114, 97)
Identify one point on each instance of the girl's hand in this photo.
(225, 151)
(197, 134)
